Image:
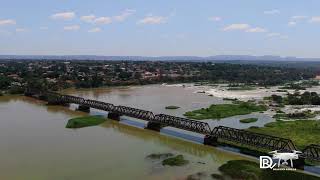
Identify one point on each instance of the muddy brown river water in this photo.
(36, 145)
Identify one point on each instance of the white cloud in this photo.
(89, 19)
(256, 30)
(44, 28)
(294, 20)
(72, 28)
(150, 19)
(315, 19)
(245, 28)
(96, 20)
(5, 33)
(284, 37)
(21, 30)
(215, 18)
(233, 27)
(182, 36)
(277, 35)
(124, 15)
(272, 12)
(299, 17)
(292, 23)
(7, 22)
(94, 30)
(273, 34)
(103, 20)
(63, 16)
(107, 20)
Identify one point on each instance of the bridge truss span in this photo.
(72, 99)
(134, 112)
(312, 152)
(99, 105)
(183, 123)
(253, 139)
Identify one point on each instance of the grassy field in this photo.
(86, 121)
(301, 132)
(243, 169)
(175, 161)
(249, 120)
(225, 110)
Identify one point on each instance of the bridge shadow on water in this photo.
(176, 144)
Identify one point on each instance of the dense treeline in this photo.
(306, 98)
(262, 75)
(55, 75)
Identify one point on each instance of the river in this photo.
(156, 97)
(36, 145)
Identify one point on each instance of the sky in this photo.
(160, 28)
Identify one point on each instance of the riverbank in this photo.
(301, 132)
(243, 169)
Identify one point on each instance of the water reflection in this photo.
(155, 137)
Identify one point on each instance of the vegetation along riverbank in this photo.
(301, 132)
(172, 107)
(249, 120)
(225, 110)
(80, 122)
(244, 169)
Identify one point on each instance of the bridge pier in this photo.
(43, 97)
(114, 116)
(156, 126)
(83, 108)
(210, 140)
(56, 102)
(299, 163)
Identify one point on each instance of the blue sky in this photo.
(160, 28)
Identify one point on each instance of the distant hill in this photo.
(160, 58)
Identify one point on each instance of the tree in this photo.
(5, 82)
(277, 99)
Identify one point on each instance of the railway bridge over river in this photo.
(157, 121)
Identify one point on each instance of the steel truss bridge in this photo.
(222, 133)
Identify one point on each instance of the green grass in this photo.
(225, 110)
(248, 170)
(159, 155)
(172, 107)
(85, 121)
(175, 161)
(241, 169)
(301, 132)
(249, 120)
(295, 116)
